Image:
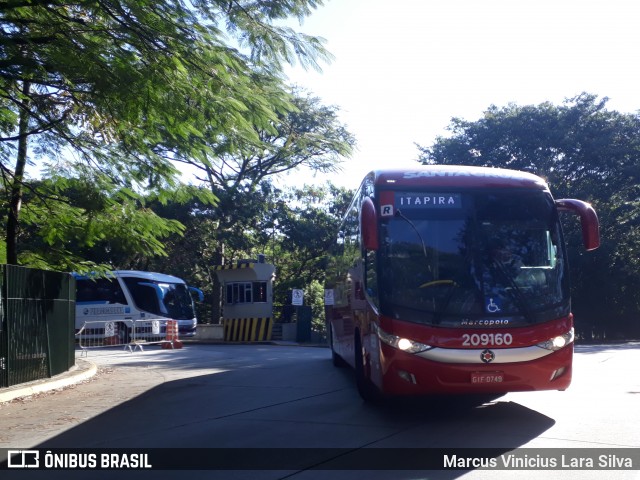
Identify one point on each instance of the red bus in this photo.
(454, 279)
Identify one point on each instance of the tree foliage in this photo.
(309, 135)
(93, 224)
(295, 228)
(584, 151)
(306, 223)
(129, 86)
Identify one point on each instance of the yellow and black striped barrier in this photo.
(256, 329)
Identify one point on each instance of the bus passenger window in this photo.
(371, 277)
(101, 290)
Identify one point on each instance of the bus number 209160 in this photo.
(487, 339)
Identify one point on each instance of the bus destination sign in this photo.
(426, 200)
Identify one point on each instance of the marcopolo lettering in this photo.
(484, 322)
(428, 200)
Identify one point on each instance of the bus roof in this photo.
(457, 176)
(158, 277)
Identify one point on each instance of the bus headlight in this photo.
(556, 343)
(400, 343)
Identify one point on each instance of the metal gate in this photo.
(37, 317)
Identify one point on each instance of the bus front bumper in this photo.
(412, 374)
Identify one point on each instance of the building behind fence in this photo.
(37, 320)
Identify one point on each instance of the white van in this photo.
(133, 297)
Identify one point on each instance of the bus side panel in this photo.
(342, 343)
(372, 348)
(341, 320)
(102, 301)
(358, 306)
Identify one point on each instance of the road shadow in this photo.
(306, 415)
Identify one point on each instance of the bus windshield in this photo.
(487, 255)
(171, 300)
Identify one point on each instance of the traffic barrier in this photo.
(149, 332)
(255, 329)
(128, 334)
(113, 333)
(172, 340)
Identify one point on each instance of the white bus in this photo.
(128, 297)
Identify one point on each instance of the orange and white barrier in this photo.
(172, 340)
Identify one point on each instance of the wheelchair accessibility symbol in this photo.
(492, 306)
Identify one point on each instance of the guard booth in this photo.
(247, 313)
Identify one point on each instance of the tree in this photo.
(307, 220)
(311, 135)
(127, 86)
(584, 151)
(295, 228)
(98, 224)
(308, 135)
(235, 228)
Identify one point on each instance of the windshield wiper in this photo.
(399, 214)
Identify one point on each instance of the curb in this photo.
(83, 370)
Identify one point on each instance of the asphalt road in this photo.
(240, 397)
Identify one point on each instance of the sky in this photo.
(404, 69)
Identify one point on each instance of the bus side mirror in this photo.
(197, 293)
(588, 220)
(369, 225)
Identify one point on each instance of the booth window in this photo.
(246, 292)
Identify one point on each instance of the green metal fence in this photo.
(37, 322)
